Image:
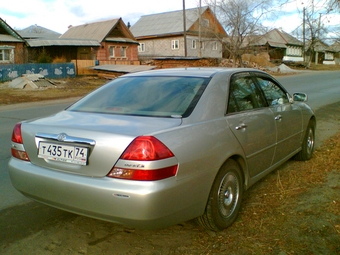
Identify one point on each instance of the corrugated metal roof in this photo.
(62, 42)
(120, 39)
(35, 32)
(165, 23)
(124, 68)
(8, 38)
(96, 31)
(277, 45)
(277, 38)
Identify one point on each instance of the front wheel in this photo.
(308, 143)
(225, 198)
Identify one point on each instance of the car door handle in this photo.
(278, 117)
(240, 127)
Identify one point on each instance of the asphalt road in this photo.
(9, 116)
(323, 88)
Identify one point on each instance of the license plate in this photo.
(64, 153)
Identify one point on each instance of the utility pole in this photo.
(304, 35)
(199, 31)
(185, 31)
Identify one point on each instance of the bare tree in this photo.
(333, 4)
(242, 21)
(314, 30)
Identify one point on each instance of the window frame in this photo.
(258, 76)
(6, 51)
(141, 47)
(259, 96)
(194, 44)
(175, 44)
(214, 46)
(112, 51)
(123, 50)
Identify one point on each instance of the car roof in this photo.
(191, 71)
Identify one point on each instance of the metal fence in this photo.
(52, 71)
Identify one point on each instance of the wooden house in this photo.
(114, 41)
(163, 34)
(280, 46)
(12, 45)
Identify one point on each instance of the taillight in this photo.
(145, 148)
(18, 150)
(16, 135)
(143, 175)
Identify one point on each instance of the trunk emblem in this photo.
(62, 137)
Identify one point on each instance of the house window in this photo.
(205, 22)
(141, 47)
(214, 46)
(328, 56)
(175, 44)
(6, 54)
(123, 52)
(193, 44)
(202, 45)
(112, 51)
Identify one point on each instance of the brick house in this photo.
(115, 40)
(162, 35)
(12, 45)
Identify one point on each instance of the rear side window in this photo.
(244, 94)
(145, 96)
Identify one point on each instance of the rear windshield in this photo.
(145, 96)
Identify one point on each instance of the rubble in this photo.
(30, 81)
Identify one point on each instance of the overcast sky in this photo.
(57, 15)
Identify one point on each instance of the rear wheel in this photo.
(308, 143)
(225, 198)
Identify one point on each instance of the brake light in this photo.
(16, 135)
(145, 148)
(18, 150)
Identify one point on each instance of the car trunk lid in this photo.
(86, 143)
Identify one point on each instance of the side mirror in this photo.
(300, 97)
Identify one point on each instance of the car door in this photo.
(252, 122)
(288, 118)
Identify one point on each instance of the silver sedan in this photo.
(157, 148)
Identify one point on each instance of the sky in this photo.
(58, 15)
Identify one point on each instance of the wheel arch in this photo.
(243, 168)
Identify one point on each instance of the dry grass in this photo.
(294, 210)
(65, 88)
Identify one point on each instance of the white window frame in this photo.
(194, 44)
(6, 54)
(141, 47)
(175, 44)
(112, 51)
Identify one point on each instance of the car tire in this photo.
(308, 143)
(225, 198)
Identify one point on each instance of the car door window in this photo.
(244, 95)
(273, 92)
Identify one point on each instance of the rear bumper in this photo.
(134, 204)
